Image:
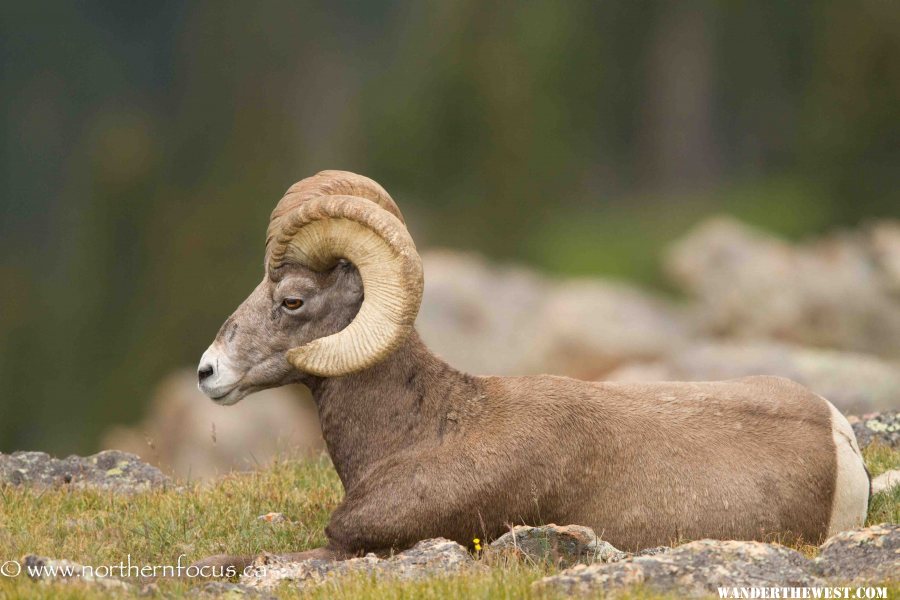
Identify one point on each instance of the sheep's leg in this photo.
(400, 503)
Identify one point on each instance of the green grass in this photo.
(97, 528)
(885, 507)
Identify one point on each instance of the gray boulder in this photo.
(109, 470)
(189, 436)
(870, 554)
(882, 428)
(839, 291)
(225, 589)
(589, 327)
(428, 558)
(477, 315)
(695, 569)
(852, 382)
(654, 551)
(556, 544)
(496, 319)
(884, 239)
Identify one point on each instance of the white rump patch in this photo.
(851, 486)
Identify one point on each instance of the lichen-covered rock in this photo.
(886, 481)
(883, 428)
(109, 470)
(694, 569)
(559, 545)
(51, 570)
(853, 382)
(429, 557)
(868, 554)
(426, 559)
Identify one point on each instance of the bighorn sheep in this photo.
(424, 450)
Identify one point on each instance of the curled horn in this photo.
(338, 215)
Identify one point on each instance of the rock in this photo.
(885, 241)
(506, 320)
(479, 316)
(838, 291)
(426, 559)
(852, 382)
(882, 428)
(224, 589)
(429, 557)
(559, 545)
(589, 327)
(869, 554)
(654, 551)
(886, 481)
(274, 518)
(109, 470)
(699, 568)
(51, 570)
(191, 437)
(695, 569)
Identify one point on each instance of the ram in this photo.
(424, 450)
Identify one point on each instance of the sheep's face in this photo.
(287, 310)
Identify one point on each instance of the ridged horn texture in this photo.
(329, 183)
(318, 231)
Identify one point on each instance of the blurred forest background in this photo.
(145, 143)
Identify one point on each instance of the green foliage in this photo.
(146, 144)
(884, 507)
(880, 458)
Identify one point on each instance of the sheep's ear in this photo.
(345, 277)
(343, 263)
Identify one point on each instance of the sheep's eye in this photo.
(292, 303)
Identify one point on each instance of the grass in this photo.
(154, 528)
(885, 507)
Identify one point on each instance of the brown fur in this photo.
(424, 450)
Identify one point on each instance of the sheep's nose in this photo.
(205, 372)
